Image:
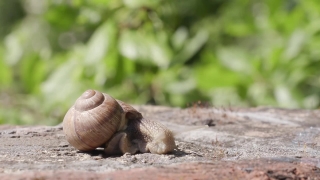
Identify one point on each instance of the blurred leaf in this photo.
(63, 84)
(101, 2)
(61, 16)
(5, 74)
(275, 59)
(99, 43)
(10, 12)
(235, 59)
(225, 96)
(32, 73)
(212, 75)
(181, 87)
(14, 49)
(191, 48)
(144, 48)
(284, 97)
(141, 3)
(295, 44)
(179, 38)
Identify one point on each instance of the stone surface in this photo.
(255, 143)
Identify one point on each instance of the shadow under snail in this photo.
(98, 120)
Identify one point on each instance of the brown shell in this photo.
(92, 120)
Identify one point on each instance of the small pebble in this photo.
(63, 145)
(97, 157)
(133, 159)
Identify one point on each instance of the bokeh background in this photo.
(162, 52)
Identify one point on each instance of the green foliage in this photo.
(241, 53)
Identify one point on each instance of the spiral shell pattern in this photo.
(92, 120)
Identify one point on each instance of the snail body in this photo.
(98, 120)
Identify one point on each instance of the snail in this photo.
(98, 120)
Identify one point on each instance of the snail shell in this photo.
(98, 120)
(92, 120)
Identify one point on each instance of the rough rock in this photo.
(213, 143)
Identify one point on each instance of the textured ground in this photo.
(257, 143)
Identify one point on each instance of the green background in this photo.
(163, 52)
